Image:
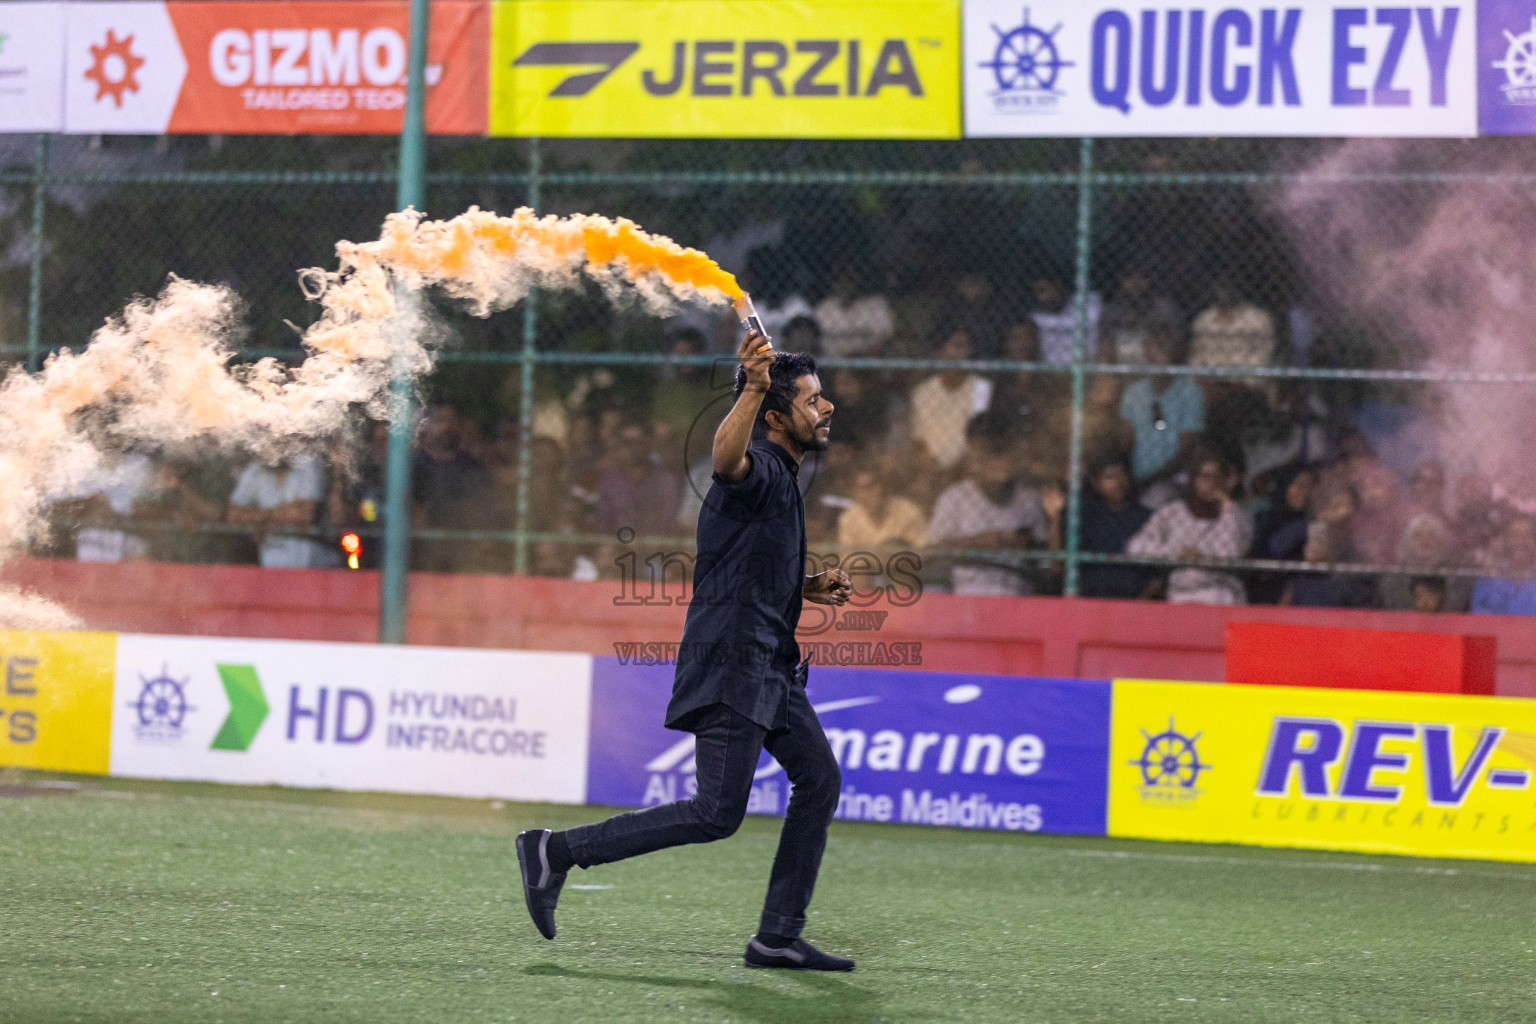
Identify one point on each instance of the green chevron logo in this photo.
(247, 708)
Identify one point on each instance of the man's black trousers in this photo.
(728, 748)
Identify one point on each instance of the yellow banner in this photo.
(56, 700)
(1335, 769)
(726, 68)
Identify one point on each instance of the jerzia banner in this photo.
(726, 68)
(925, 748)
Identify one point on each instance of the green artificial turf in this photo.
(166, 903)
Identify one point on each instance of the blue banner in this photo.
(928, 748)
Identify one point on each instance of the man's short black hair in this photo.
(1098, 465)
(783, 385)
(992, 431)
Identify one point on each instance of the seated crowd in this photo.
(966, 468)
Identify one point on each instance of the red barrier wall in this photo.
(1037, 636)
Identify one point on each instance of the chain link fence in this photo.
(1206, 370)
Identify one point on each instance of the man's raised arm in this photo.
(735, 433)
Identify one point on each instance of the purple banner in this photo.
(1506, 67)
(929, 748)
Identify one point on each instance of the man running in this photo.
(739, 686)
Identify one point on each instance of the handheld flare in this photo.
(749, 319)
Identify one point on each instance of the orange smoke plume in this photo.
(160, 376)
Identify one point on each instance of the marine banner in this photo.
(510, 724)
(923, 748)
(56, 700)
(726, 68)
(1240, 67)
(322, 67)
(1429, 775)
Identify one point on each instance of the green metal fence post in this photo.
(35, 285)
(397, 477)
(1079, 357)
(525, 409)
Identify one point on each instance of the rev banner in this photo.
(323, 67)
(726, 68)
(921, 748)
(1240, 67)
(1428, 775)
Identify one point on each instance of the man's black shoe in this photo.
(541, 886)
(797, 956)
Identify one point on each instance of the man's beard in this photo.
(811, 443)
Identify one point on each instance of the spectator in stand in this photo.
(1427, 489)
(778, 304)
(636, 490)
(193, 493)
(1110, 518)
(1328, 541)
(800, 334)
(989, 509)
(1430, 594)
(105, 505)
(1378, 525)
(1231, 331)
(452, 490)
(944, 404)
(1513, 591)
(1280, 531)
(1134, 317)
(355, 499)
(879, 520)
(1205, 523)
(1167, 415)
(1426, 545)
(853, 324)
(682, 391)
(1478, 520)
(863, 410)
(282, 493)
(973, 307)
(549, 493)
(1056, 316)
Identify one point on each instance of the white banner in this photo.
(509, 724)
(31, 67)
(1084, 67)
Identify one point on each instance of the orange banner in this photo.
(326, 67)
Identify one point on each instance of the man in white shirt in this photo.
(945, 404)
(853, 324)
(989, 510)
(109, 498)
(1232, 331)
(283, 493)
(1056, 317)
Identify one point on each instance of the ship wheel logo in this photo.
(1170, 760)
(162, 705)
(115, 68)
(1026, 58)
(1519, 65)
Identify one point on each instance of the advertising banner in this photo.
(510, 724)
(1429, 775)
(1241, 67)
(31, 67)
(928, 748)
(329, 66)
(1506, 67)
(56, 700)
(726, 68)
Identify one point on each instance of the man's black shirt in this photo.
(738, 646)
